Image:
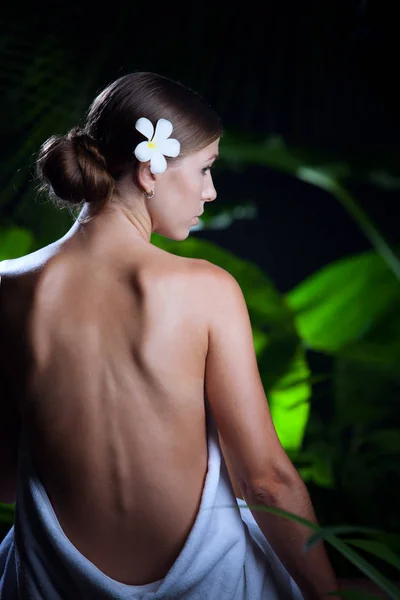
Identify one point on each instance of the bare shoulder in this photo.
(210, 282)
(218, 285)
(165, 263)
(213, 275)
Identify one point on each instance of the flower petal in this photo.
(158, 164)
(169, 147)
(163, 130)
(143, 152)
(145, 127)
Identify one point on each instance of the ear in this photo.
(145, 178)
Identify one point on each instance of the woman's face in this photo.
(181, 193)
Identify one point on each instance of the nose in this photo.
(209, 191)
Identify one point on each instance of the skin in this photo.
(112, 439)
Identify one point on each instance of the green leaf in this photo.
(337, 529)
(390, 540)
(317, 462)
(377, 549)
(382, 582)
(341, 309)
(385, 180)
(14, 242)
(275, 511)
(288, 400)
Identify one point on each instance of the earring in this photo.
(149, 194)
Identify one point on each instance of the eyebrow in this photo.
(213, 156)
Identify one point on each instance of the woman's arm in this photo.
(229, 466)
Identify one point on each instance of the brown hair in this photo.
(85, 164)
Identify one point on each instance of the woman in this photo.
(127, 369)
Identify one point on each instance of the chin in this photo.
(177, 238)
(176, 235)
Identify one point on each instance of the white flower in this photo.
(158, 146)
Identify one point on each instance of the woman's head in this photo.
(96, 164)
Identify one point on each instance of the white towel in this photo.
(225, 557)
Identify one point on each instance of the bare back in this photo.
(109, 365)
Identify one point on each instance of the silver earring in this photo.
(149, 194)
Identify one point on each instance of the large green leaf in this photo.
(338, 309)
(289, 402)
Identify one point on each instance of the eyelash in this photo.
(206, 169)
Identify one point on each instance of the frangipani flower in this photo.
(158, 146)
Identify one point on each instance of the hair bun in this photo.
(83, 142)
(73, 169)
